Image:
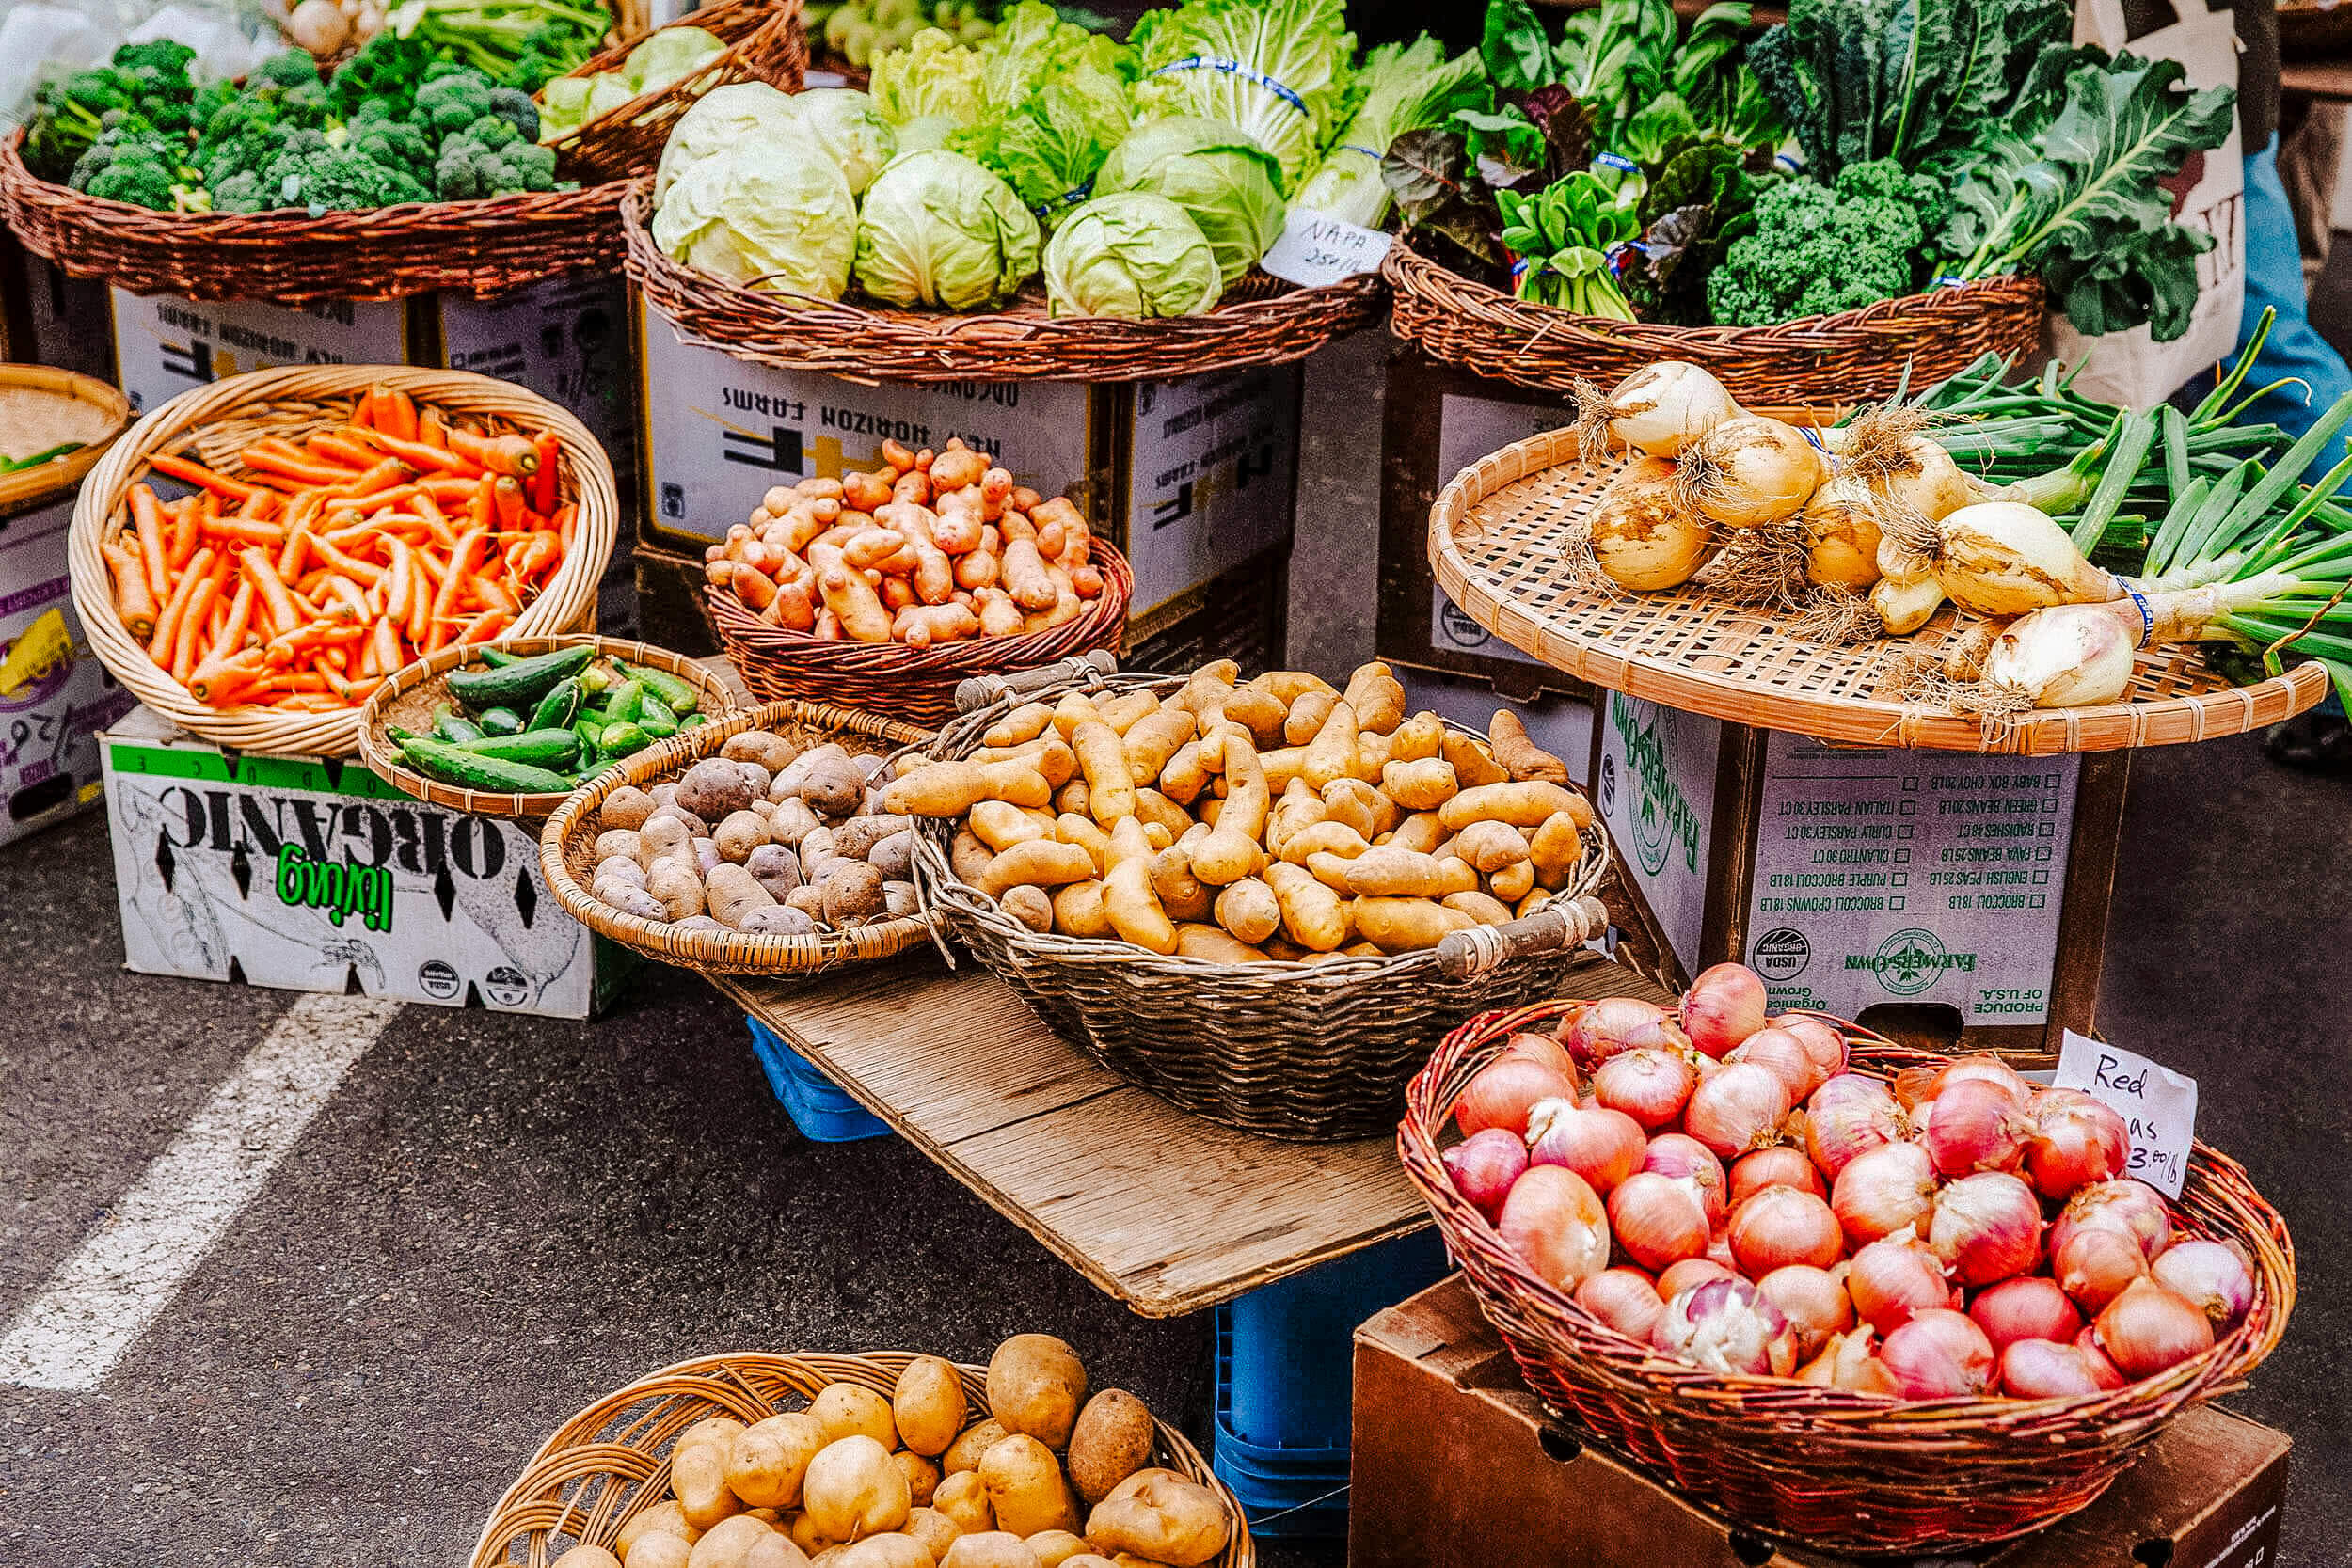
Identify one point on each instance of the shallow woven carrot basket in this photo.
(214, 420)
(1853, 355)
(765, 43)
(1497, 540)
(917, 685)
(1836, 1471)
(567, 851)
(612, 1461)
(798, 332)
(1307, 1052)
(407, 698)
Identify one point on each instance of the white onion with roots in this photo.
(1750, 471)
(1638, 534)
(1659, 409)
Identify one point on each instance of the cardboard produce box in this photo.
(1455, 1463)
(55, 696)
(313, 874)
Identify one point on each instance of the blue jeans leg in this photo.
(2274, 280)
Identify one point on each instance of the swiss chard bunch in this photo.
(1565, 236)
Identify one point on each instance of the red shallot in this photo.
(1620, 1023)
(1849, 1114)
(2102, 1369)
(2128, 1207)
(1723, 1007)
(1555, 1221)
(1690, 1272)
(1938, 1353)
(1650, 1085)
(1986, 1228)
(1883, 1190)
(1975, 1125)
(2041, 1369)
(1821, 1041)
(1891, 1279)
(1657, 1221)
(1780, 1225)
(1781, 1165)
(2074, 1143)
(1691, 1162)
(1503, 1092)
(1484, 1166)
(1845, 1363)
(1813, 1300)
(2032, 1307)
(2210, 1274)
(1603, 1146)
(2094, 1267)
(2149, 1328)
(1625, 1300)
(1782, 1055)
(1726, 1326)
(1736, 1109)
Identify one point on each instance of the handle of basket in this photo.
(978, 691)
(1568, 923)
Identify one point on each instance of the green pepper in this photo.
(622, 738)
(500, 720)
(555, 709)
(626, 700)
(450, 726)
(655, 717)
(675, 694)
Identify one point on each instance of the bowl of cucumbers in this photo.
(509, 731)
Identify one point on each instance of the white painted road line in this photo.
(129, 1268)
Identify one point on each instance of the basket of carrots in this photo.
(255, 556)
(511, 730)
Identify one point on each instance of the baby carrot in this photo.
(388, 474)
(422, 457)
(301, 469)
(243, 530)
(217, 679)
(507, 496)
(500, 454)
(131, 594)
(198, 474)
(327, 447)
(364, 410)
(349, 565)
(395, 413)
(445, 597)
(384, 646)
(543, 478)
(432, 429)
(484, 627)
(161, 645)
(271, 588)
(232, 634)
(183, 541)
(149, 514)
(192, 624)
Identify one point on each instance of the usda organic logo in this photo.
(1910, 961)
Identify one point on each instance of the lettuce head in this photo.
(1132, 253)
(1215, 172)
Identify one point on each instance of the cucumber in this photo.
(626, 700)
(449, 727)
(455, 765)
(500, 720)
(520, 684)
(693, 721)
(594, 680)
(655, 717)
(553, 749)
(675, 694)
(499, 658)
(622, 738)
(557, 707)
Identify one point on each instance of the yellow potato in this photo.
(967, 857)
(775, 1550)
(1518, 753)
(1250, 911)
(726, 1543)
(765, 1465)
(698, 1474)
(1483, 908)
(1405, 925)
(1421, 833)
(990, 1549)
(1279, 767)
(1207, 687)
(1026, 1488)
(934, 1529)
(1330, 870)
(721, 1430)
(1513, 881)
(1488, 847)
(1313, 915)
(1473, 764)
(1037, 862)
(1075, 708)
(1324, 838)
(1158, 810)
(1054, 1547)
(1216, 945)
(1070, 828)
(1522, 805)
(584, 1556)
(1401, 873)
(1102, 761)
(962, 1497)
(1123, 713)
(1422, 735)
(1153, 741)
(1000, 826)
(658, 1550)
(1299, 808)
(886, 1551)
(1184, 777)
(1307, 714)
(922, 1476)
(1332, 752)
(1131, 905)
(1165, 1519)
(1181, 893)
(1261, 713)
(1377, 696)
(660, 1519)
(1424, 785)
(809, 1537)
(1078, 911)
(1023, 723)
(1557, 848)
(928, 1404)
(1371, 755)
(952, 788)
(1112, 1441)
(1350, 803)
(1036, 1385)
(1031, 906)
(1233, 850)
(1289, 685)
(848, 1409)
(1070, 798)
(853, 1490)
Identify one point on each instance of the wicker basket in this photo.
(1314, 1051)
(1841, 358)
(1837, 1471)
(798, 332)
(612, 1461)
(406, 699)
(765, 43)
(567, 858)
(219, 417)
(917, 685)
(61, 474)
(1497, 537)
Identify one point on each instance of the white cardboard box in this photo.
(55, 696)
(165, 346)
(309, 874)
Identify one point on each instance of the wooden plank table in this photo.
(1166, 1212)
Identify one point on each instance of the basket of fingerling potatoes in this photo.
(1264, 901)
(887, 590)
(879, 1460)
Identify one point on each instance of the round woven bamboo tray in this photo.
(567, 851)
(1497, 534)
(406, 699)
(765, 43)
(1837, 1471)
(216, 421)
(612, 1461)
(800, 332)
(917, 685)
(61, 473)
(1853, 355)
(1307, 1052)
(290, 257)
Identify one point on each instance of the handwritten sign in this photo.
(2159, 1104)
(1317, 248)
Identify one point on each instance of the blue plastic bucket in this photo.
(816, 1104)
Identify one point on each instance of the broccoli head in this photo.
(240, 192)
(335, 178)
(1817, 249)
(489, 158)
(162, 56)
(293, 68)
(395, 143)
(309, 104)
(240, 134)
(387, 67)
(448, 104)
(69, 114)
(138, 172)
(549, 50)
(509, 104)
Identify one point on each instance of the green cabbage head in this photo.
(1131, 254)
(718, 122)
(847, 126)
(772, 209)
(1212, 171)
(938, 229)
